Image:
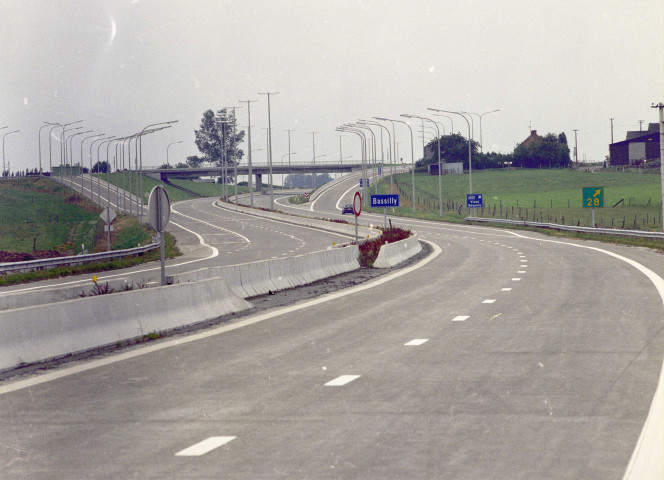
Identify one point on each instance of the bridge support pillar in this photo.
(259, 182)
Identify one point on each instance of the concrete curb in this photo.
(39, 333)
(392, 254)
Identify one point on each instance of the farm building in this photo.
(638, 147)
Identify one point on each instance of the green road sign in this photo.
(593, 197)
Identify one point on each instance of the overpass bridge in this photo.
(258, 170)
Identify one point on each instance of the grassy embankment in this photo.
(128, 181)
(44, 214)
(552, 196)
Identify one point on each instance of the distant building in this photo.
(532, 138)
(638, 147)
(448, 168)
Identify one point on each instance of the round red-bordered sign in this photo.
(357, 204)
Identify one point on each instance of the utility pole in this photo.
(269, 141)
(641, 125)
(250, 181)
(313, 144)
(660, 106)
(576, 148)
(611, 129)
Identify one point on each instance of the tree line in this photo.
(548, 151)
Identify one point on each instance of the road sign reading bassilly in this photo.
(593, 197)
(357, 204)
(384, 200)
(474, 200)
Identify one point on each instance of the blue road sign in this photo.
(380, 201)
(474, 200)
(366, 180)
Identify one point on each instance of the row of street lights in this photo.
(362, 125)
(67, 160)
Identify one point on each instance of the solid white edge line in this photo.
(206, 446)
(65, 372)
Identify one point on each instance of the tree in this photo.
(551, 151)
(217, 139)
(453, 149)
(100, 167)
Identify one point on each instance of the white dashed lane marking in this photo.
(506, 289)
(342, 380)
(460, 318)
(516, 279)
(206, 446)
(416, 342)
(489, 300)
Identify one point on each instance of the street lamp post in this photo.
(71, 149)
(480, 115)
(140, 157)
(363, 144)
(389, 140)
(470, 159)
(269, 140)
(40, 153)
(412, 153)
(374, 149)
(250, 180)
(169, 146)
(4, 169)
(440, 182)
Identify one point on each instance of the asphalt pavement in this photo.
(504, 355)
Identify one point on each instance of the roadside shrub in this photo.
(369, 248)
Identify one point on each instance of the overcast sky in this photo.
(120, 65)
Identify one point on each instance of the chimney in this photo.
(533, 133)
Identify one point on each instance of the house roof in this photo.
(652, 128)
(532, 138)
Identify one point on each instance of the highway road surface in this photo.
(503, 355)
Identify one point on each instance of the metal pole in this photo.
(4, 169)
(269, 137)
(470, 159)
(40, 154)
(250, 180)
(660, 106)
(412, 155)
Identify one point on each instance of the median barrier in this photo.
(258, 278)
(10, 299)
(335, 227)
(394, 253)
(43, 332)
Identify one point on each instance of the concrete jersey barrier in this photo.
(258, 278)
(392, 254)
(39, 333)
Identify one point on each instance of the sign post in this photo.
(593, 197)
(384, 201)
(474, 200)
(108, 215)
(357, 209)
(159, 211)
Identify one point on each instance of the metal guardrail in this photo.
(570, 228)
(45, 263)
